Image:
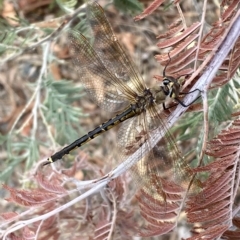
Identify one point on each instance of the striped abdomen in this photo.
(130, 112)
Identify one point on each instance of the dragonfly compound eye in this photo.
(166, 81)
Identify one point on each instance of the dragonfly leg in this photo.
(181, 102)
(185, 93)
(166, 108)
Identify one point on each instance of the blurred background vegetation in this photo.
(43, 105)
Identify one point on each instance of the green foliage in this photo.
(14, 39)
(54, 111)
(4, 25)
(7, 39)
(58, 113)
(19, 149)
(58, 109)
(67, 5)
(168, 5)
(129, 6)
(221, 104)
(1, 5)
(24, 150)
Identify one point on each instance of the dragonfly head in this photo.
(171, 87)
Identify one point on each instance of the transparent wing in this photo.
(110, 51)
(108, 91)
(167, 152)
(163, 162)
(102, 65)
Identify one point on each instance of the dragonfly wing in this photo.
(110, 51)
(109, 92)
(161, 177)
(163, 162)
(104, 68)
(167, 152)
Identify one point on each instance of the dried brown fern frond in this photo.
(234, 233)
(152, 7)
(214, 207)
(160, 215)
(29, 198)
(193, 46)
(47, 193)
(113, 221)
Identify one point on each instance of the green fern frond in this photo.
(130, 6)
(67, 5)
(58, 109)
(221, 104)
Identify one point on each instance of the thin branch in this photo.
(200, 32)
(38, 88)
(182, 16)
(22, 224)
(114, 217)
(206, 127)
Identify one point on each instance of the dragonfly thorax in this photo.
(144, 101)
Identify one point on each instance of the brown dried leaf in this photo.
(179, 38)
(51, 186)
(211, 233)
(150, 9)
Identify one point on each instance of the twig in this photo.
(206, 126)
(200, 33)
(227, 34)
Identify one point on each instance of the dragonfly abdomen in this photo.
(128, 113)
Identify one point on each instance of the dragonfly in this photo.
(112, 80)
